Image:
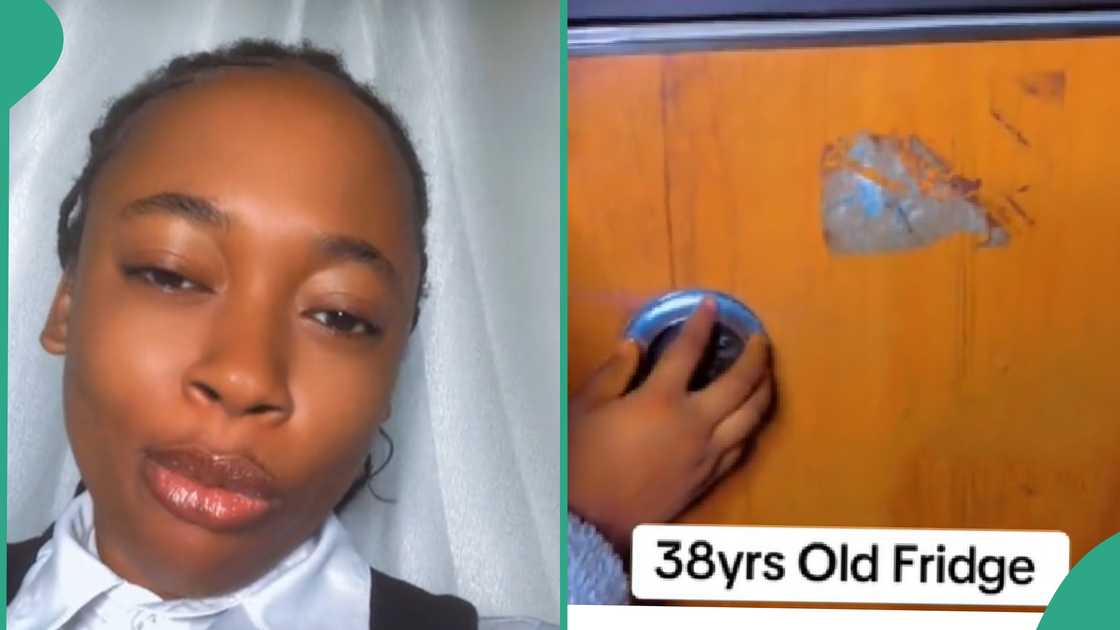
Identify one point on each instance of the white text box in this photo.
(823, 564)
(669, 618)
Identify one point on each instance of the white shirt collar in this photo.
(324, 578)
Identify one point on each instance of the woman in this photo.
(243, 262)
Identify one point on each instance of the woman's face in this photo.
(234, 323)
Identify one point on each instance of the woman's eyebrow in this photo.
(189, 207)
(339, 247)
(336, 247)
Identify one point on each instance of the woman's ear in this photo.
(53, 337)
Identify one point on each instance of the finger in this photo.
(723, 464)
(735, 428)
(676, 365)
(732, 387)
(726, 462)
(610, 380)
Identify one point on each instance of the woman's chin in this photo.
(177, 560)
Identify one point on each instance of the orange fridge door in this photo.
(964, 381)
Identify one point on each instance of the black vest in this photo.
(395, 604)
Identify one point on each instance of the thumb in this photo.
(610, 380)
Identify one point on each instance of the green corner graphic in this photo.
(30, 44)
(1089, 597)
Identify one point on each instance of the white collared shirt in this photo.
(323, 583)
(69, 587)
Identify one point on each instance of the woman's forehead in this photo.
(289, 140)
(286, 117)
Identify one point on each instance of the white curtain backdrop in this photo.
(477, 425)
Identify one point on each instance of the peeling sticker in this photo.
(885, 193)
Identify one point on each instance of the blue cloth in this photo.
(595, 574)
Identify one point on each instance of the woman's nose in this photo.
(244, 365)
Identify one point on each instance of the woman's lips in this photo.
(217, 492)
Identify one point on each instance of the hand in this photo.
(644, 456)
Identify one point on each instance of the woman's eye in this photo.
(164, 280)
(343, 323)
